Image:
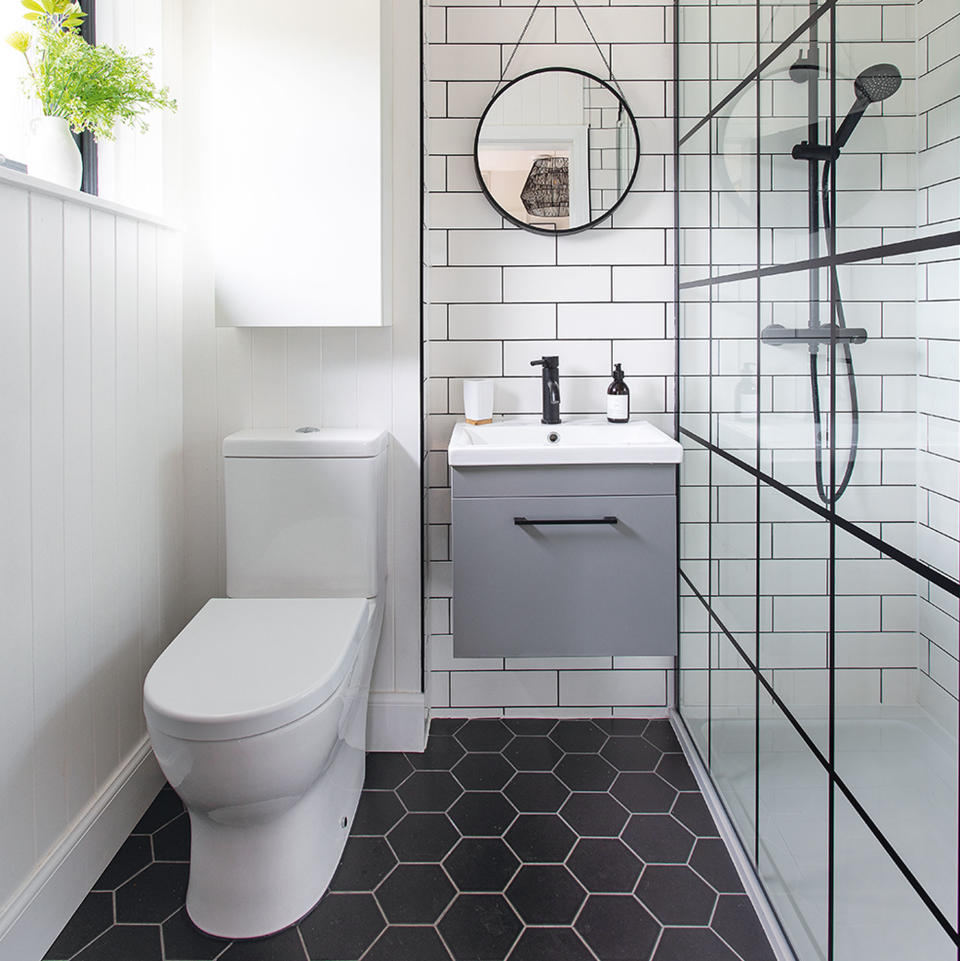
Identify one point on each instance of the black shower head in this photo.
(874, 84)
(878, 82)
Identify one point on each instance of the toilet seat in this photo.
(245, 666)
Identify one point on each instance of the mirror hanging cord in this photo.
(523, 33)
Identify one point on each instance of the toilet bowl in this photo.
(257, 710)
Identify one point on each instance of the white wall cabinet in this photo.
(301, 109)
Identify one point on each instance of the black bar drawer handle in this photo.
(542, 522)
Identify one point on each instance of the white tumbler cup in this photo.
(478, 401)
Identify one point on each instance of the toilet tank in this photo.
(305, 512)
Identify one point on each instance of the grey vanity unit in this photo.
(565, 559)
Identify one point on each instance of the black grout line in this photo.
(600, 739)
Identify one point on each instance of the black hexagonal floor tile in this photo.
(631, 754)
(594, 815)
(534, 726)
(393, 912)
(545, 894)
(483, 772)
(172, 841)
(283, 946)
(124, 942)
(377, 812)
(550, 944)
(618, 927)
(675, 895)
(89, 921)
(341, 927)
(429, 791)
(658, 839)
(446, 725)
(480, 927)
(386, 771)
(539, 838)
(622, 725)
(605, 865)
(711, 861)
(482, 813)
(134, 855)
(365, 862)
(399, 943)
(164, 808)
(415, 894)
(660, 733)
(578, 736)
(481, 864)
(585, 772)
(642, 793)
(184, 942)
(682, 944)
(153, 894)
(423, 837)
(674, 769)
(536, 793)
(692, 811)
(441, 753)
(532, 753)
(484, 734)
(736, 922)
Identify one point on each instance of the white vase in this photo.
(54, 154)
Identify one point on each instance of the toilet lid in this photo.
(245, 666)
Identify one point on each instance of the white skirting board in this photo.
(751, 883)
(395, 722)
(31, 921)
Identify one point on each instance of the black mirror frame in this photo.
(569, 230)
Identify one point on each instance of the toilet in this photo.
(257, 710)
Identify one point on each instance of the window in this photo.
(88, 146)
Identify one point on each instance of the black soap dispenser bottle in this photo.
(618, 398)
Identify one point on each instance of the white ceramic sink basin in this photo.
(577, 440)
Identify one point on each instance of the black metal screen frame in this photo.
(762, 480)
(85, 141)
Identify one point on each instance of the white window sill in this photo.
(35, 185)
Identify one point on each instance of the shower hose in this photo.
(826, 496)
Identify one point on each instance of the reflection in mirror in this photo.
(556, 150)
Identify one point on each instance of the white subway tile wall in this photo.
(938, 328)
(499, 297)
(906, 496)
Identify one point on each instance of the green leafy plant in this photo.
(92, 87)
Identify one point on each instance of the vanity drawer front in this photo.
(565, 479)
(542, 590)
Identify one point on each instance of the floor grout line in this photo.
(535, 800)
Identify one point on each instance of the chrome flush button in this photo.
(307, 430)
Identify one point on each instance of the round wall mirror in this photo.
(556, 150)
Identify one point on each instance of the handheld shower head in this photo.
(878, 82)
(874, 84)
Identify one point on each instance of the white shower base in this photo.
(902, 767)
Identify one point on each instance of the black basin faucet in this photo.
(551, 388)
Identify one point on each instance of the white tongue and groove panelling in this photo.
(91, 509)
(499, 297)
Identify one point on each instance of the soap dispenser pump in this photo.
(618, 398)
